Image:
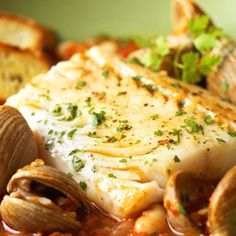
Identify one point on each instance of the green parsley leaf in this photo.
(57, 110)
(70, 175)
(123, 161)
(154, 116)
(195, 127)
(137, 78)
(208, 120)
(151, 60)
(72, 113)
(205, 42)
(50, 132)
(180, 113)
(176, 132)
(71, 133)
(225, 86)
(98, 118)
(158, 133)
(92, 134)
(232, 134)
(123, 127)
(198, 25)
(49, 146)
(74, 151)
(111, 175)
(80, 84)
(143, 42)
(182, 210)
(208, 63)
(83, 185)
(162, 47)
(134, 60)
(176, 158)
(176, 85)
(220, 140)
(189, 73)
(78, 164)
(112, 139)
(105, 73)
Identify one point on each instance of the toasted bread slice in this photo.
(17, 67)
(25, 33)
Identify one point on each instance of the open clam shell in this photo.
(186, 200)
(222, 207)
(27, 216)
(17, 144)
(222, 82)
(27, 209)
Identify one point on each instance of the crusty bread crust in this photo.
(46, 41)
(43, 58)
(23, 59)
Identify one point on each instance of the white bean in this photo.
(153, 220)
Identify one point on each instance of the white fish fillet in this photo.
(120, 130)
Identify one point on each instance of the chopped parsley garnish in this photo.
(70, 175)
(80, 84)
(194, 126)
(50, 132)
(176, 85)
(78, 164)
(105, 73)
(137, 78)
(198, 25)
(176, 133)
(83, 185)
(150, 87)
(123, 161)
(208, 120)
(112, 139)
(88, 101)
(154, 116)
(123, 126)
(155, 57)
(158, 133)
(49, 146)
(232, 134)
(182, 210)
(111, 175)
(190, 66)
(205, 42)
(225, 86)
(71, 113)
(176, 158)
(74, 151)
(220, 140)
(57, 110)
(71, 133)
(98, 118)
(180, 113)
(92, 134)
(122, 93)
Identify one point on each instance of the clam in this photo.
(222, 207)
(33, 204)
(222, 81)
(185, 200)
(17, 144)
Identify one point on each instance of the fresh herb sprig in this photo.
(155, 57)
(190, 65)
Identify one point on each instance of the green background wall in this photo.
(79, 19)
